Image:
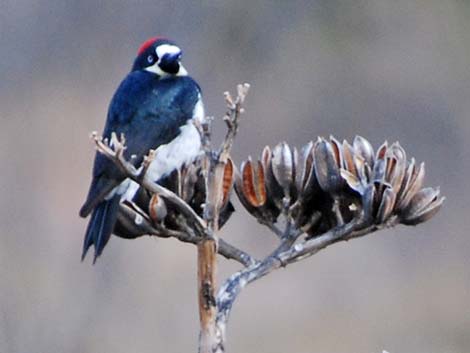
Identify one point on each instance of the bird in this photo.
(155, 107)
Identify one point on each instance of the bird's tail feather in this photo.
(101, 226)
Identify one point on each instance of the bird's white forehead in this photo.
(167, 49)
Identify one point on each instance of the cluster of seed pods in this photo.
(389, 184)
(138, 218)
(330, 182)
(321, 186)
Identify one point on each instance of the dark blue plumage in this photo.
(149, 109)
(101, 225)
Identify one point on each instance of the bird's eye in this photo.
(150, 59)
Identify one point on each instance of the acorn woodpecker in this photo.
(154, 107)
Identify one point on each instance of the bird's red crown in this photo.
(148, 43)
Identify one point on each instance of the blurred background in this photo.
(395, 70)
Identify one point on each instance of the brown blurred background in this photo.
(396, 70)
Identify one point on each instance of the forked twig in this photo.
(115, 152)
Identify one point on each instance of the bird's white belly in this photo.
(182, 150)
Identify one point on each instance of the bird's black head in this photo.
(161, 57)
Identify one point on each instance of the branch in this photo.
(310, 247)
(210, 340)
(135, 218)
(231, 252)
(235, 109)
(226, 249)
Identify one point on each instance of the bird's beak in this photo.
(172, 58)
(170, 63)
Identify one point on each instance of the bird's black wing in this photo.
(149, 112)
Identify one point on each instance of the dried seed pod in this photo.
(379, 171)
(390, 163)
(326, 161)
(363, 170)
(305, 168)
(382, 151)
(364, 149)
(307, 186)
(413, 184)
(348, 158)
(229, 176)
(386, 205)
(253, 187)
(397, 173)
(266, 157)
(397, 151)
(423, 206)
(283, 163)
(409, 170)
(273, 189)
(338, 150)
(421, 200)
(353, 181)
(157, 209)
